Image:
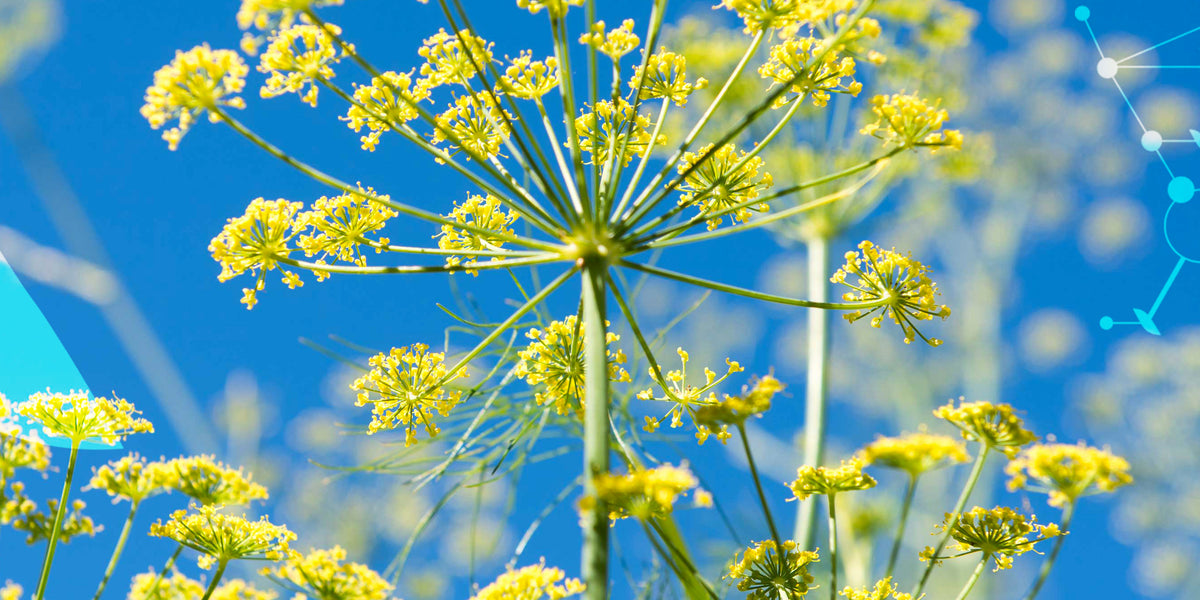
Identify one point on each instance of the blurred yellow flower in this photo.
(1066, 472)
(641, 494)
(914, 453)
(993, 425)
(829, 481)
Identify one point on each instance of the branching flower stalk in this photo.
(572, 210)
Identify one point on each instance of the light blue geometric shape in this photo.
(32, 359)
(1181, 189)
(1195, 136)
(1146, 321)
(1152, 141)
(1082, 13)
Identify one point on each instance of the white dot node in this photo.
(1107, 68)
(1152, 141)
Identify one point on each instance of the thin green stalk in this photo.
(958, 508)
(896, 543)
(833, 549)
(562, 52)
(762, 497)
(212, 585)
(163, 572)
(59, 515)
(816, 387)
(539, 259)
(1068, 512)
(974, 577)
(116, 555)
(595, 430)
(563, 168)
(641, 168)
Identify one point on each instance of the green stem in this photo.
(116, 555)
(908, 498)
(163, 572)
(958, 507)
(212, 585)
(974, 577)
(1068, 512)
(595, 430)
(833, 557)
(817, 384)
(59, 516)
(762, 497)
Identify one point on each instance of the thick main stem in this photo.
(896, 543)
(212, 585)
(595, 430)
(958, 508)
(116, 555)
(974, 577)
(1068, 512)
(59, 516)
(833, 549)
(817, 385)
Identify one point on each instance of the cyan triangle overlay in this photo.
(32, 359)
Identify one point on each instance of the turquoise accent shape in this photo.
(1195, 136)
(1181, 189)
(1082, 13)
(32, 359)
(1146, 321)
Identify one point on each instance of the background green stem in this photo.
(896, 543)
(833, 556)
(212, 585)
(116, 555)
(974, 577)
(817, 385)
(1068, 512)
(163, 572)
(758, 486)
(595, 431)
(59, 515)
(958, 508)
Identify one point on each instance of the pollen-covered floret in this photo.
(531, 583)
(221, 537)
(196, 82)
(325, 575)
(999, 533)
(642, 494)
(896, 284)
(794, 63)
(270, 14)
(529, 79)
(725, 182)
(829, 481)
(389, 101)
(554, 357)
(716, 418)
(453, 58)
(340, 226)
(300, 56)
(405, 387)
(614, 129)
(665, 76)
(909, 121)
(209, 481)
(993, 425)
(131, 478)
(687, 399)
(616, 43)
(765, 571)
(79, 417)
(1067, 472)
(914, 453)
(885, 589)
(257, 242)
(484, 212)
(473, 123)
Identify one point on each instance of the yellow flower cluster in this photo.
(529, 79)
(323, 575)
(221, 538)
(257, 241)
(340, 226)
(909, 121)
(734, 410)
(555, 8)
(300, 56)
(685, 398)
(405, 387)
(794, 63)
(473, 123)
(485, 212)
(269, 14)
(896, 284)
(149, 586)
(17, 452)
(829, 481)
(197, 81)
(210, 482)
(765, 572)
(453, 58)
(914, 453)
(642, 494)
(131, 478)
(531, 583)
(390, 101)
(616, 43)
(79, 417)
(1067, 472)
(993, 425)
(726, 181)
(11, 591)
(15, 506)
(999, 533)
(615, 129)
(39, 526)
(555, 358)
(665, 76)
(884, 589)
(763, 15)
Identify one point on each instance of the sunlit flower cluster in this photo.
(909, 121)
(641, 494)
(885, 589)
(616, 43)
(809, 69)
(914, 453)
(614, 129)
(1067, 472)
(221, 537)
(897, 284)
(554, 357)
(453, 58)
(210, 482)
(665, 76)
(198, 81)
(177, 586)
(999, 533)
(268, 14)
(829, 481)
(473, 123)
(486, 213)
(724, 181)
(324, 575)
(11, 591)
(993, 425)
(685, 398)
(340, 226)
(715, 419)
(555, 8)
(530, 79)
(406, 387)
(531, 583)
(17, 452)
(79, 417)
(296, 57)
(39, 526)
(131, 478)
(389, 101)
(257, 241)
(764, 572)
